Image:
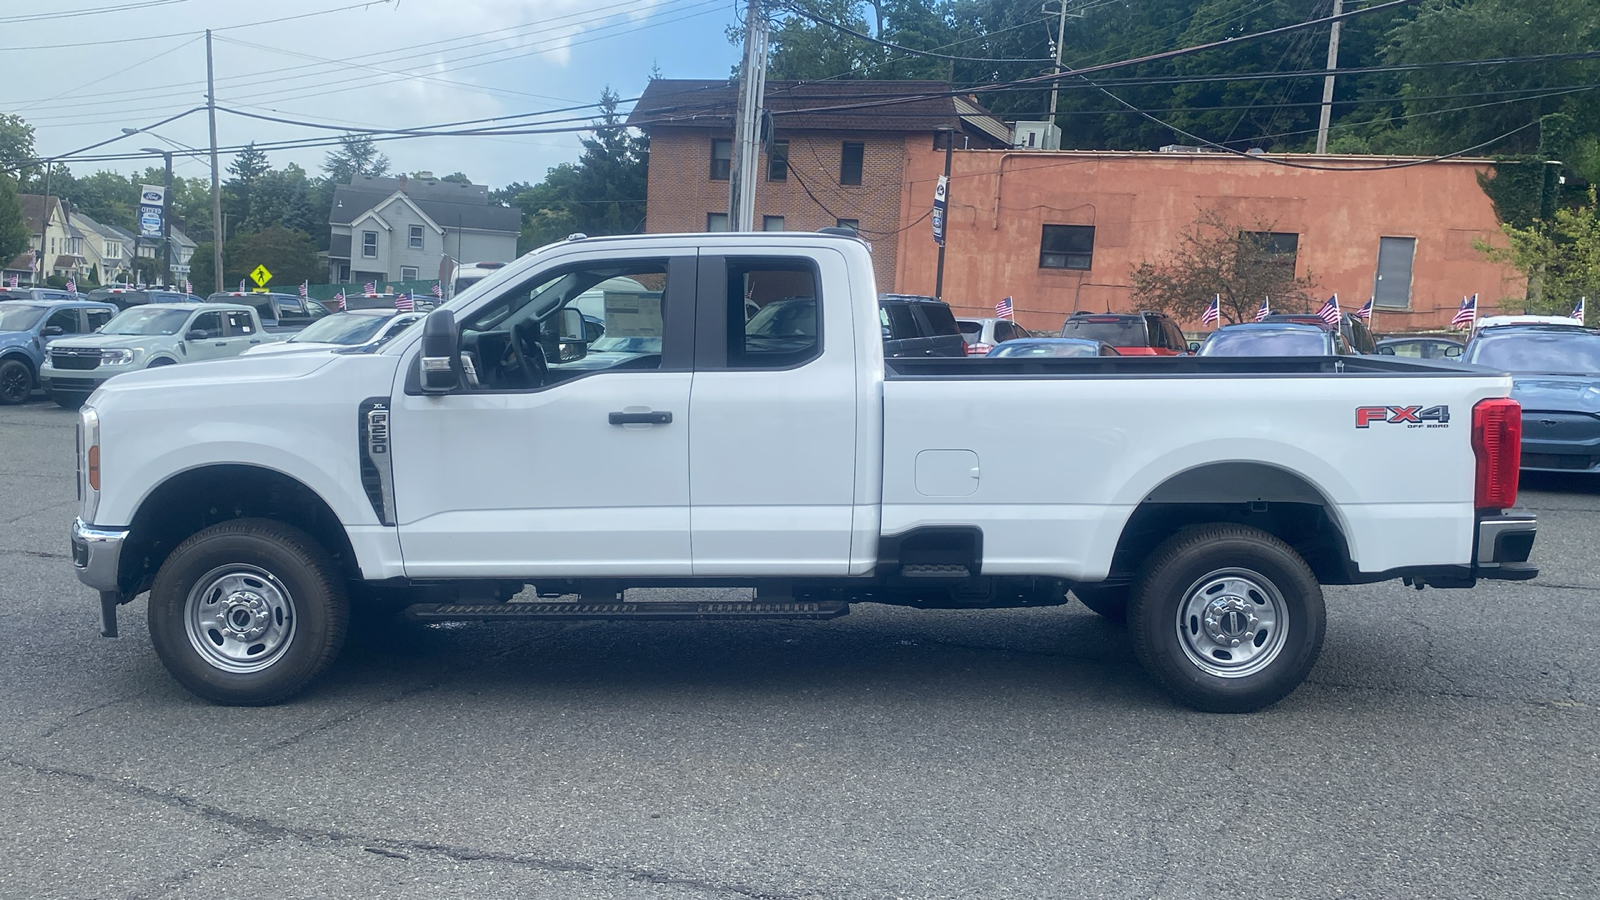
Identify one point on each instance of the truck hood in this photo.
(291, 347)
(1558, 393)
(113, 341)
(234, 370)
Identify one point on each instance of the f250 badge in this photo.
(1409, 416)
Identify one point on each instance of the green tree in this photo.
(356, 155)
(603, 193)
(105, 197)
(1560, 256)
(15, 236)
(16, 146)
(291, 257)
(1218, 255)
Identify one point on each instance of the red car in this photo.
(1144, 333)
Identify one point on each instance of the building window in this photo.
(369, 244)
(716, 221)
(850, 158)
(408, 273)
(1066, 247)
(344, 273)
(721, 159)
(1281, 245)
(416, 237)
(852, 224)
(772, 223)
(778, 161)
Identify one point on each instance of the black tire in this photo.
(69, 401)
(1110, 603)
(16, 382)
(267, 578)
(1251, 622)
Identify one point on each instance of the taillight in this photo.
(1497, 443)
(978, 349)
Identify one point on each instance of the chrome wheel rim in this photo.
(240, 618)
(1232, 623)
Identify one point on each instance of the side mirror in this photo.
(1452, 353)
(1194, 346)
(1385, 351)
(52, 330)
(572, 326)
(886, 334)
(441, 353)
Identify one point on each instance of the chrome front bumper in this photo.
(96, 553)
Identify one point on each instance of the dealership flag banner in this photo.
(1330, 311)
(152, 203)
(1365, 312)
(1578, 311)
(1003, 309)
(1213, 313)
(1467, 314)
(72, 285)
(1265, 310)
(941, 194)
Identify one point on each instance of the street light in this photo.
(166, 215)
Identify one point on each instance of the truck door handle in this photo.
(222, 343)
(641, 418)
(255, 340)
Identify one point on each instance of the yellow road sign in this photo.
(261, 276)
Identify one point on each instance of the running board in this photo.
(652, 611)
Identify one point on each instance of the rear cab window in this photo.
(1118, 331)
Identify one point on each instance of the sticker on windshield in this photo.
(1409, 416)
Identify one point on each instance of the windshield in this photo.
(19, 316)
(1265, 343)
(1116, 332)
(1540, 353)
(1051, 348)
(143, 320)
(341, 328)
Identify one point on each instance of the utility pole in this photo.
(1055, 84)
(1327, 80)
(747, 128)
(216, 180)
(44, 225)
(949, 148)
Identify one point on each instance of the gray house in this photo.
(403, 229)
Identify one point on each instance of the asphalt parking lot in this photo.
(1445, 745)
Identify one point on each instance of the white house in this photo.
(401, 229)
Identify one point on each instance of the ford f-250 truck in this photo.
(448, 470)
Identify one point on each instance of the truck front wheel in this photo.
(248, 612)
(1227, 618)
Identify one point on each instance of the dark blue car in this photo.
(27, 327)
(1555, 374)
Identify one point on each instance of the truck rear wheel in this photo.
(1227, 618)
(248, 612)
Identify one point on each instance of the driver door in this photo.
(580, 471)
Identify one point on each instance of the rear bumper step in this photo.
(653, 611)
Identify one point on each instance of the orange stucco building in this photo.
(1061, 231)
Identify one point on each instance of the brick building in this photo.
(836, 156)
(1060, 231)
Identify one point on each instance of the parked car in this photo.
(251, 502)
(37, 293)
(915, 325)
(145, 337)
(1546, 321)
(278, 312)
(27, 328)
(1355, 332)
(1059, 348)
(1274, 339)
(1555, 375)
(1144, 333)
(123, 298)
(983, 334)
(468, 275)
(1421, 347)
(357, 328)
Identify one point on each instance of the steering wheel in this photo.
(530, 361)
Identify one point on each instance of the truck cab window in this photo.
(516, 342)
(774, 320)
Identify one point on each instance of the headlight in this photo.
(115, 357)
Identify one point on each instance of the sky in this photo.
(79, 71)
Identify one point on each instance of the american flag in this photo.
(305, 289)
(1213, 313)
(1265, 310)
(1330, 311)
(13, 279)
(187, 287)
(241, 285)
(1365, 312)
(1002, 310)
(72, 285)
(1578, 311)
(402, 302)
(338, 300)
(371, 288)
(1467, 314)
(438, 290)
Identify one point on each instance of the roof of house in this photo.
(900, 106)
(23, 262)
(33, 207)
(448, 204)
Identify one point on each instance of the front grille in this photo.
(70, 358)
(1574, 461)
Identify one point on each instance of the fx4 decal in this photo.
(1409, 416)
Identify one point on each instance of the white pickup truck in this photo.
(1206, 500)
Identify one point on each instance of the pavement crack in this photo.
(393, 848)
(37, 554)
(59, 726)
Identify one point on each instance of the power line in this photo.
(172, 34)
(898, 48)
(95, 11)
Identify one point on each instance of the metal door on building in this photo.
(1391, 289)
